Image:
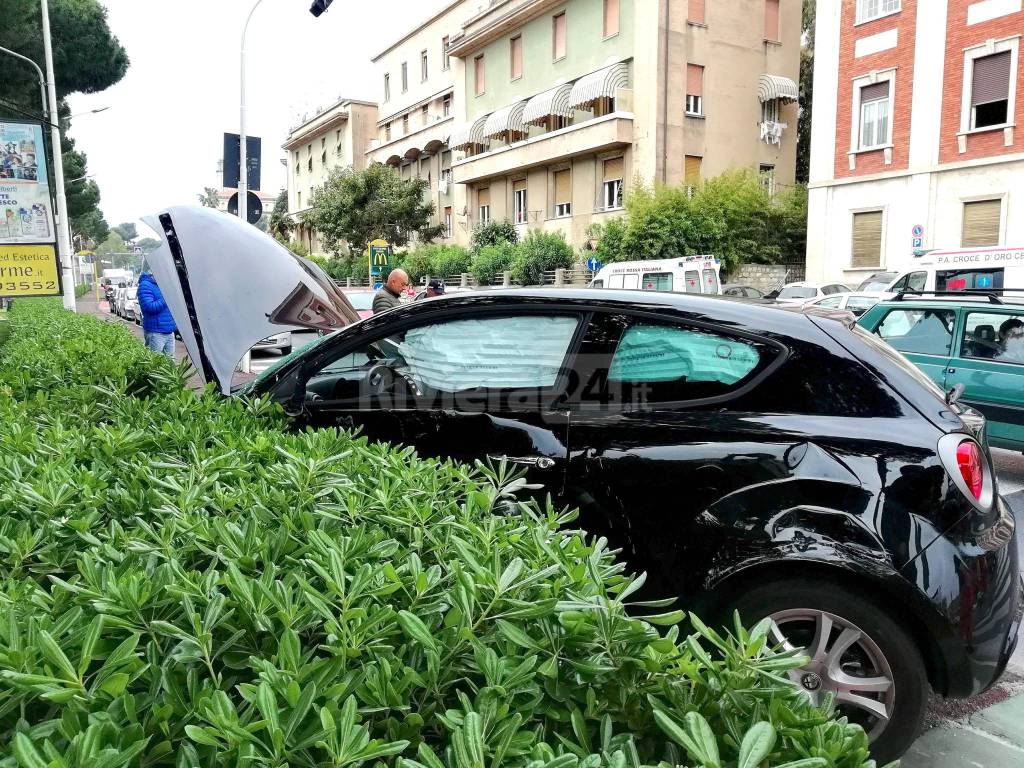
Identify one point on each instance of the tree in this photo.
(354, 207)
(803, 130)
(127, 230)
(87, 57)
(493, 233)
(491, 261)
(210, 198)
(148, 244)
(540, 252)
(280, 224)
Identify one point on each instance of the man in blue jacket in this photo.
(157, 322)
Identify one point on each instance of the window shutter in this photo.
(991, 79)
(691, 175)
(613, 169)
(694, 80)
(867, 239)
(771, 20)
(696, 11)
(481, 75)
(981, 223)
(484, 196)
(517, 57)
(875, 91)
(611, 17)
(563, 187)
(518, 184)
(559, 36)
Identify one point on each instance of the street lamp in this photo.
(89, 112)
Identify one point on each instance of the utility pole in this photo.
(63, 223)
(243, 170)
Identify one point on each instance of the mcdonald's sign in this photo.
(379, 257)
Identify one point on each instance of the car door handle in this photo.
(541, 462)
(951, 370)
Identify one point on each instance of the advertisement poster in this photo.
(29, 270)
(26, 210)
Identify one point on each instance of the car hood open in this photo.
(229, 286)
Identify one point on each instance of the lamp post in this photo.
(243, 170)
(63, 226)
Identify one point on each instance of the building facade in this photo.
(914, 143)
(418, 102)
(567, 104)
(333, 138)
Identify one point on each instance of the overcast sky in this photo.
(159, 142)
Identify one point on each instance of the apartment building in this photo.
(335, 137)
(564, 104)
(418, 101)
(914, 136)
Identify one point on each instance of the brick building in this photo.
(915, 127)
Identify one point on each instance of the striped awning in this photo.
(506, 119)
(603, 83)
(468, 135)
(772, 87)
(553, 102)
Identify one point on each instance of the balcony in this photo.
(430, 137)
(586, 138)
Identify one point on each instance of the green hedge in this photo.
(186, 583)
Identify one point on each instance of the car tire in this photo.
(842, 610)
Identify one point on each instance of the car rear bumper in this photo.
(982, 596)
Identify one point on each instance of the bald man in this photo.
(387, 296)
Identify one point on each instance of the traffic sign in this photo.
(378, 286)
(593, 264)
(918, 230)
(918, 242)
(254, 210)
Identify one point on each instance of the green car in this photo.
(975, 341)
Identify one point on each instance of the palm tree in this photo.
(209, 198)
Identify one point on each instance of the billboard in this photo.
(26, 210)
(29, 270)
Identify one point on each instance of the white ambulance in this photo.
(1000, 270)
(692, 274)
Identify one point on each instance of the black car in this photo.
(745, 456)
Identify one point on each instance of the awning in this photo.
(553, 102)
(506, 119)
(603, 83)
(772, 87)
(468, 135)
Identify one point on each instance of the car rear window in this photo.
(798, 292)
(920, 331)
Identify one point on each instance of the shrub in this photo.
(539, 252)
(609, 237)
(491, 261)
(437, 260)
(493, 233)
(81, 289)
(186, 583)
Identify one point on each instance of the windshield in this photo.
(798, 292)
(877, 282)
(361, 302)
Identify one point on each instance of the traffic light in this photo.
(319, 6)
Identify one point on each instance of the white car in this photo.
(130, 309)
(117, 302)
(857, 302)
(798, 293)
(282, 342)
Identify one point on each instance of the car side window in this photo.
(831, 301)
(860, 304)
(633, 361)
(992, 336)
(692, 278)
(922, 331)
(524, 352)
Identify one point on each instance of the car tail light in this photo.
(972, 469)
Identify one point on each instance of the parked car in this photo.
(976, 341)
(746, 456)
(692, 274)
(856, 303)
(278, 342)
(118, 301)
(879, 281)
(799, 292)
(965, 269)
(130, 309)
(742, 291)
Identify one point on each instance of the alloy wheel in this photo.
(844, 660)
